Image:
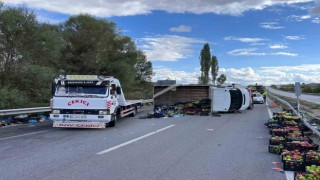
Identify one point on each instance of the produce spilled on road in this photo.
(289, 138)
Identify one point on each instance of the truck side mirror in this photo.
(53, 89)
(119, 90)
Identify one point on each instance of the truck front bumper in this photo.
(80, 117)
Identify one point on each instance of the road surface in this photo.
(306, 97)
(233, 146)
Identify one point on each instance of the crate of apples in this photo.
(294, 155)
(313, 157)
(276, 140)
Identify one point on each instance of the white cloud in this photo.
(181, 28)
(168, 47)
(240, 76)
(109, 8)
(285, 54)
(258, 44)
(298, 18)
(294, 37)
(245, 40)
(316, 20)
(278, 46)
(306, 73)
(301, 68)
(271, 25)
(182, 77)
(252, 52)
(245, 52)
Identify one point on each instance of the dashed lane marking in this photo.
(133, 140)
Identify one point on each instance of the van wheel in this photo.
(250, 106)
(113, 121)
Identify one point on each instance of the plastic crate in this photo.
(278, 133)
(274, 126)
(294, 166)
(291, 146)
(291, 155)
(274, 142)
(288, 123)
(314, 147)
(312, 162)
(305, 138)
(306, 175)
(275, 149)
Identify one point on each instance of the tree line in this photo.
(305, 88)
(208, 62)
(32, 54)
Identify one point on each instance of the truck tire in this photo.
(134, 112)
(113, 121)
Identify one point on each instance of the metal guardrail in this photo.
(146, 101)
(304, 120)
(9, 112)
(24, 111)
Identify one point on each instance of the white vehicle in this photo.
(89, 101)
(258, 98)
(225, 99)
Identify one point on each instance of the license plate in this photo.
(79, 124)
(78, 116)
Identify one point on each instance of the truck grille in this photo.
(79, 111)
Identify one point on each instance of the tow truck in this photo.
(89, 101)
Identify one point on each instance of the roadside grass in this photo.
(306, 107)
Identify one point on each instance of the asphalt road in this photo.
(233, 146)
(306, 97)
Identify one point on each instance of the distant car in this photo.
(258, 98)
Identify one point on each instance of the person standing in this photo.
(264, 94)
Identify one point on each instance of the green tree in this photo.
(35, 81)
(144, 68)
(205, 57)
(17, 27)
(12, 98)
(32, 54)
(49, 43)
(89, 44)
(214, 69)
(222, 79)
(95, 46)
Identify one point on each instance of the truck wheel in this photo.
(134, 112)
(113, 121)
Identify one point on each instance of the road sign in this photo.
(297, 89)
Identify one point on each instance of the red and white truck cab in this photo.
(89, 101)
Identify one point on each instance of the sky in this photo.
(255, 41)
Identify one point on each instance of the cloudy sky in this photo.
(255, 41)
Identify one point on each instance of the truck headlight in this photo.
(103, 112)
(55, 111)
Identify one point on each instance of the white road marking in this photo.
(133, 140)
(27, 134)
(289, 174)
(269, 111)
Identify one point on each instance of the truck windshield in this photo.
(80, 90)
